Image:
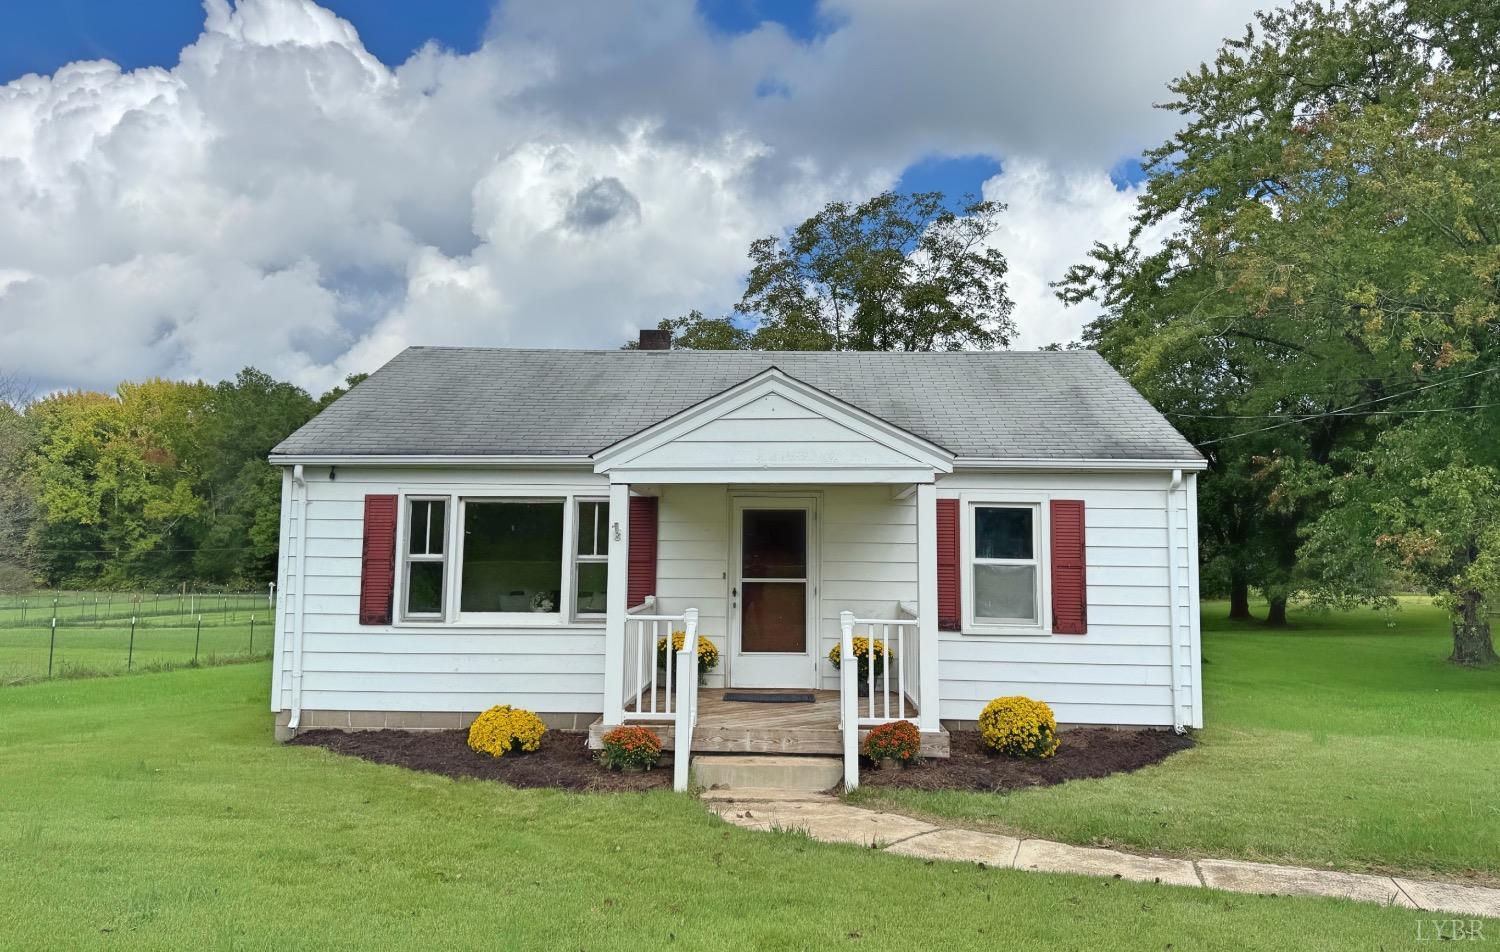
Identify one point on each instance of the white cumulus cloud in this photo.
(281, 198)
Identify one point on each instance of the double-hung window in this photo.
(513, 560)
(591, 560)
(1004, 568)
(426, 562)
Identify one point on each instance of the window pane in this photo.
(424, 530)
(424, 588)
(438, 510)
(1002, 532)
(774, 543)
(593, 578)
(1004, 592)
(775, 617)
(512, 557)
(593, 534)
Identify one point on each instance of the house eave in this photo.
(430, 459)
(1098, 465)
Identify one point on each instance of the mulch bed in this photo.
(1085, 752)
(564, 760)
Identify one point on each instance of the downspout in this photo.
(299, 481)
(1172, 592)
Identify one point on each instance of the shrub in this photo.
(630, 746)
(1019, 727)
(896, 741)
(504, 728)
(862, 653)
(708, 655)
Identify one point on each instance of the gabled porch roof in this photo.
(773, 428)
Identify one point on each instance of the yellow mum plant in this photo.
(708, 655)
(863, 652)
(504, 728)
(1019, 727)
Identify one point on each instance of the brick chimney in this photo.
(652, 339)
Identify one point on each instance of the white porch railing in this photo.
(901, 672)
(665, 695)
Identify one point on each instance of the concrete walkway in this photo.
(831, 820)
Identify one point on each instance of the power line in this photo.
(1292, 417)
(1345, 411)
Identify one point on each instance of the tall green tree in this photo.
(1331, 272)
(895, 272)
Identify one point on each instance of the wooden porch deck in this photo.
(755, 727)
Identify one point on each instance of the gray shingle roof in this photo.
(469, 401)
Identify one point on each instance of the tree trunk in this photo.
(1239, 596)
(1471, 632)
(1276, 613)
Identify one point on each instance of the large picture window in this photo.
(512, 557)
(426, 563)
(493, 560)
(1004, 570)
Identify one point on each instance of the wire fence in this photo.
(84, 634)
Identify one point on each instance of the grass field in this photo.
(156, 812)
(1346, 741)
(94, 636)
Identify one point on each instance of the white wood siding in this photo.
(1120, 672)
(354, 667)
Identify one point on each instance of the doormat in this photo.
(789, 697)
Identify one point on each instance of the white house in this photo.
(472, 526)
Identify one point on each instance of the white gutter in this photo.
(299, 481)
(1172, 592)
(431, 459)
(533, 460)
(965, 462)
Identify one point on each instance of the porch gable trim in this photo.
(905, 457)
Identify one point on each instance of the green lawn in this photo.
(1345, 742)
(156, 812)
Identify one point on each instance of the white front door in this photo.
(773, 592)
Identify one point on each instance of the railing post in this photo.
(687, 700)
(849, 700)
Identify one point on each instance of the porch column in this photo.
(927, 607)
(614, 622)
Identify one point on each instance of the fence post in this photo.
(197, 639)
(51, 648)
(271, 596)
(252, 636)
(130, 652)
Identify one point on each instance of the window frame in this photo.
(1041, 559)
(577, 558)
(453, 617)
(408, 557)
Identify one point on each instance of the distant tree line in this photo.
(158, 484)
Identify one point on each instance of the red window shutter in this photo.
(377, 576)
(1070, 614)
(642, 575)
(950, 611)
